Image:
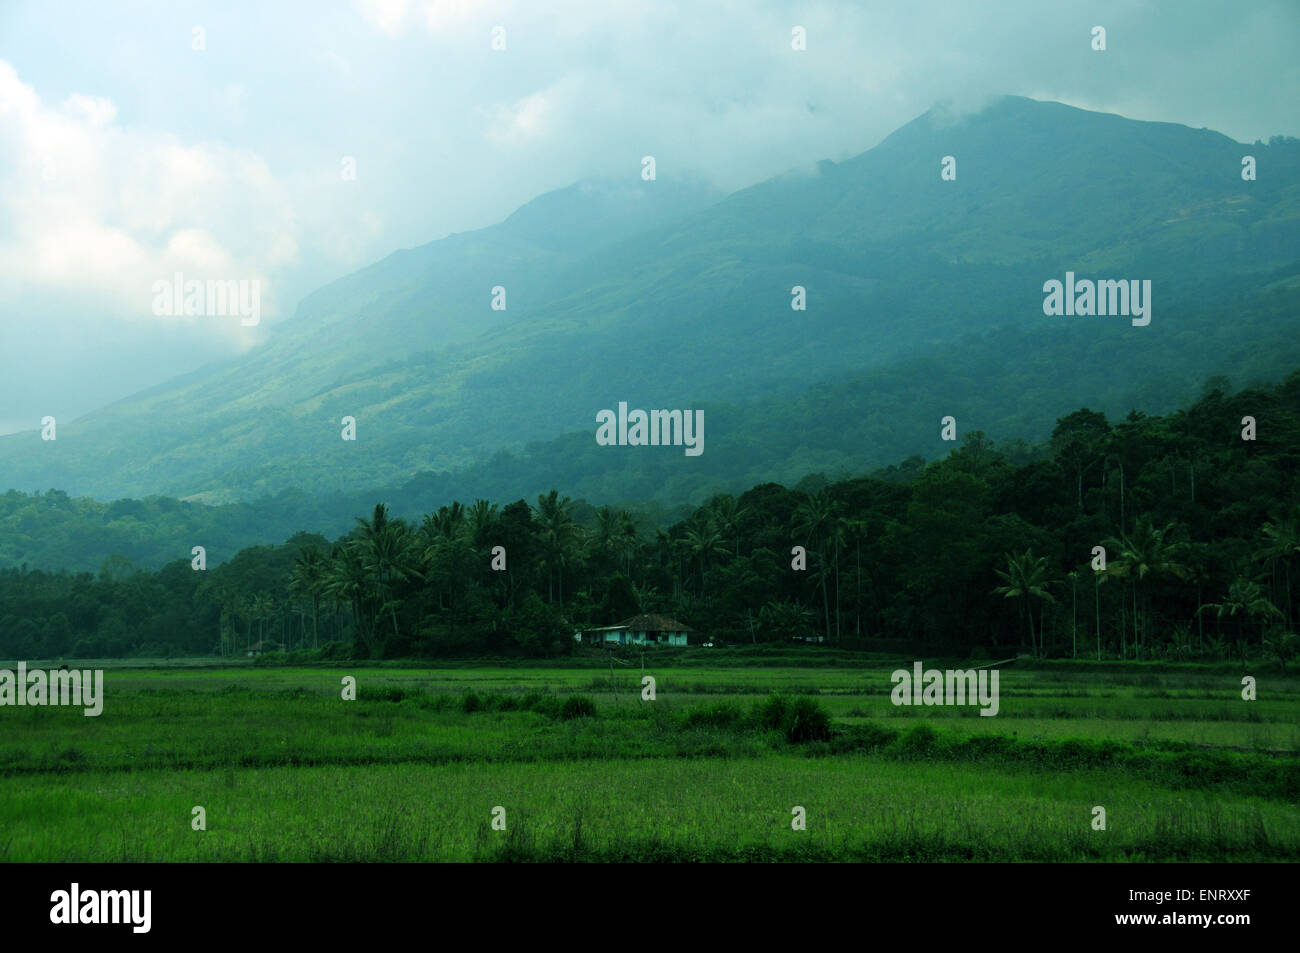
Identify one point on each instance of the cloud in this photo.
(397, 16)
(94, 213)
(126, 156)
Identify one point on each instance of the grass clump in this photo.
(799, 719)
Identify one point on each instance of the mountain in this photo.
(662, 296)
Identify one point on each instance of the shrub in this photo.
(471, 703)
(805, 720)
(800, 719)
(918, 742)
(769, 713)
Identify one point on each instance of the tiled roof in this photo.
(654, 623)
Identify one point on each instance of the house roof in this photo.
(653, 623)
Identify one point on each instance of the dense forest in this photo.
(989, 549)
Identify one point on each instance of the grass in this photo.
(710, 770)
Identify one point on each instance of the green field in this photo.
(287, 770)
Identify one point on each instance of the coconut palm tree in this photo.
(1148, 551)
(727, 514)
(855, 533)
(1282, 546)
(703, 541)
(262, 607)
(308, 582)
(389, 555)
(347, 581)
(813, 521)
(481, 518)
(627, 538)
(1073, 576)
(560, 538)
(608, 532)
(1026, 577)
(1245, 601)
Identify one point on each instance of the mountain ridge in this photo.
(695, 307)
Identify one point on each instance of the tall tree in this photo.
(1026, 578)
(1147, 552)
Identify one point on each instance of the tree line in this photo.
(1150, 537)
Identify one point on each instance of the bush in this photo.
(919, 742)
(578, 706)
(800, 719)
(471, 703)
(805, 720)
(769, 713)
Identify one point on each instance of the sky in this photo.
(290, 143)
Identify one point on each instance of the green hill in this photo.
(924, 298)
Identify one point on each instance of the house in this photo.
(638, 630)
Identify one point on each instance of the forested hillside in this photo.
(991, 547)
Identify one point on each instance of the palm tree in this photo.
(1147, 551)
(727, 514)
(609, 529)
(836, 535)
(449, 520)
(388, 555)
(855, 532)
(813, 521)
(668, 549)
(1282, 647)
(1097, 579)
(784, 617)
(1120, 463)
(703, 542)
(628, 539)
(559, 536)
(1282, 545)
(1073, 576)
(262, 607)
(1026, 577)
(347, 580)
(308, 581)
(482, 517)
(1245, 600)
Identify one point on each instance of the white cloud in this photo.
(95, 212)
(395, 16)
(388, 15)
(524, 120)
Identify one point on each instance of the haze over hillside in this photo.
(658, 294)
